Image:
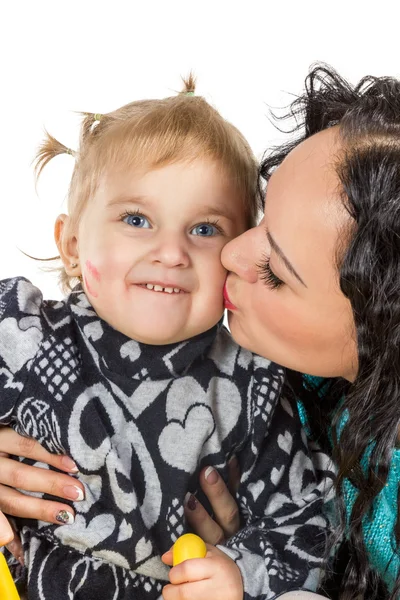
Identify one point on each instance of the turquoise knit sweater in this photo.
(378, 526)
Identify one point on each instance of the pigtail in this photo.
(189, 85)
(49, 148)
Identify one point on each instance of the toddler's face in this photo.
(149, 248)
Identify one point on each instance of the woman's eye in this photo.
(205, 230)
(136, 220)
(268, 276)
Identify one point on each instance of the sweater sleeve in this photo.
(20, 339)
(284, 487)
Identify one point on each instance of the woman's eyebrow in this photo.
(284, 259)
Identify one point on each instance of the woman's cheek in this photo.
(282, 319)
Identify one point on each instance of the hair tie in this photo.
(97, 117)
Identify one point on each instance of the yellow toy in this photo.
(188, 546)
(8, 591)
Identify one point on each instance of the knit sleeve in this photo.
(282, 493)
(20, 339)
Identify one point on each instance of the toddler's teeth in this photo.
(159, 288)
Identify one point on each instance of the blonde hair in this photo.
(152, 134)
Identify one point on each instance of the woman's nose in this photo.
(238, 256)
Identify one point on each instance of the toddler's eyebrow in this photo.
(126, 200)
(219, 211)
(283, 257)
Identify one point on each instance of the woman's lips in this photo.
(227, 303)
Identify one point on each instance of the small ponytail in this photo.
(189, 84)
(49, 148)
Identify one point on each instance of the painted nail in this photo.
(73, 492)
(190, 501)
(211, 475)
(69, 464)
(65, 518)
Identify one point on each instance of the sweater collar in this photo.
(113, 351)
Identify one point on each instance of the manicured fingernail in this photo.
(65, 518)
(69, 464)
(21, 560)
(73, 492)
(234, 461)
(190, 501)
(211, 475)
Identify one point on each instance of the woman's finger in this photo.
(201, 522)
(233, 475)
(13, 443)
(35, 479)
(16, 504)
(6, 532)
(15, 546)
(226, 511)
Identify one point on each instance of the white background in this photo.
(60, 57)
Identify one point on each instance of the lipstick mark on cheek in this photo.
(93, 271)
(89, 289)
(92, 280)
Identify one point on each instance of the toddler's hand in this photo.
(216, 576)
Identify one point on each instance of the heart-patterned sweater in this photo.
(140, 422)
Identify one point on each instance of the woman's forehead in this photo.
(304, 210)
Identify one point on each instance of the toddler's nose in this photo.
(171, 252)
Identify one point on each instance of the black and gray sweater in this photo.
(140, 421)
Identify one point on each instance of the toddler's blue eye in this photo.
(205, 230)
(137, 221)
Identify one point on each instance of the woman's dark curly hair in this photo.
(368, 119)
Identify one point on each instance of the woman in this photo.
(315, 287)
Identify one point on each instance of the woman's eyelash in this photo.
(267, 274)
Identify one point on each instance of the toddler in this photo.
(134, 376)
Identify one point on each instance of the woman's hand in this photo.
(14, 474)
(33, 479)
(216, 576)
(226, 520)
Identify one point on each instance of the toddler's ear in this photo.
(67, 244)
